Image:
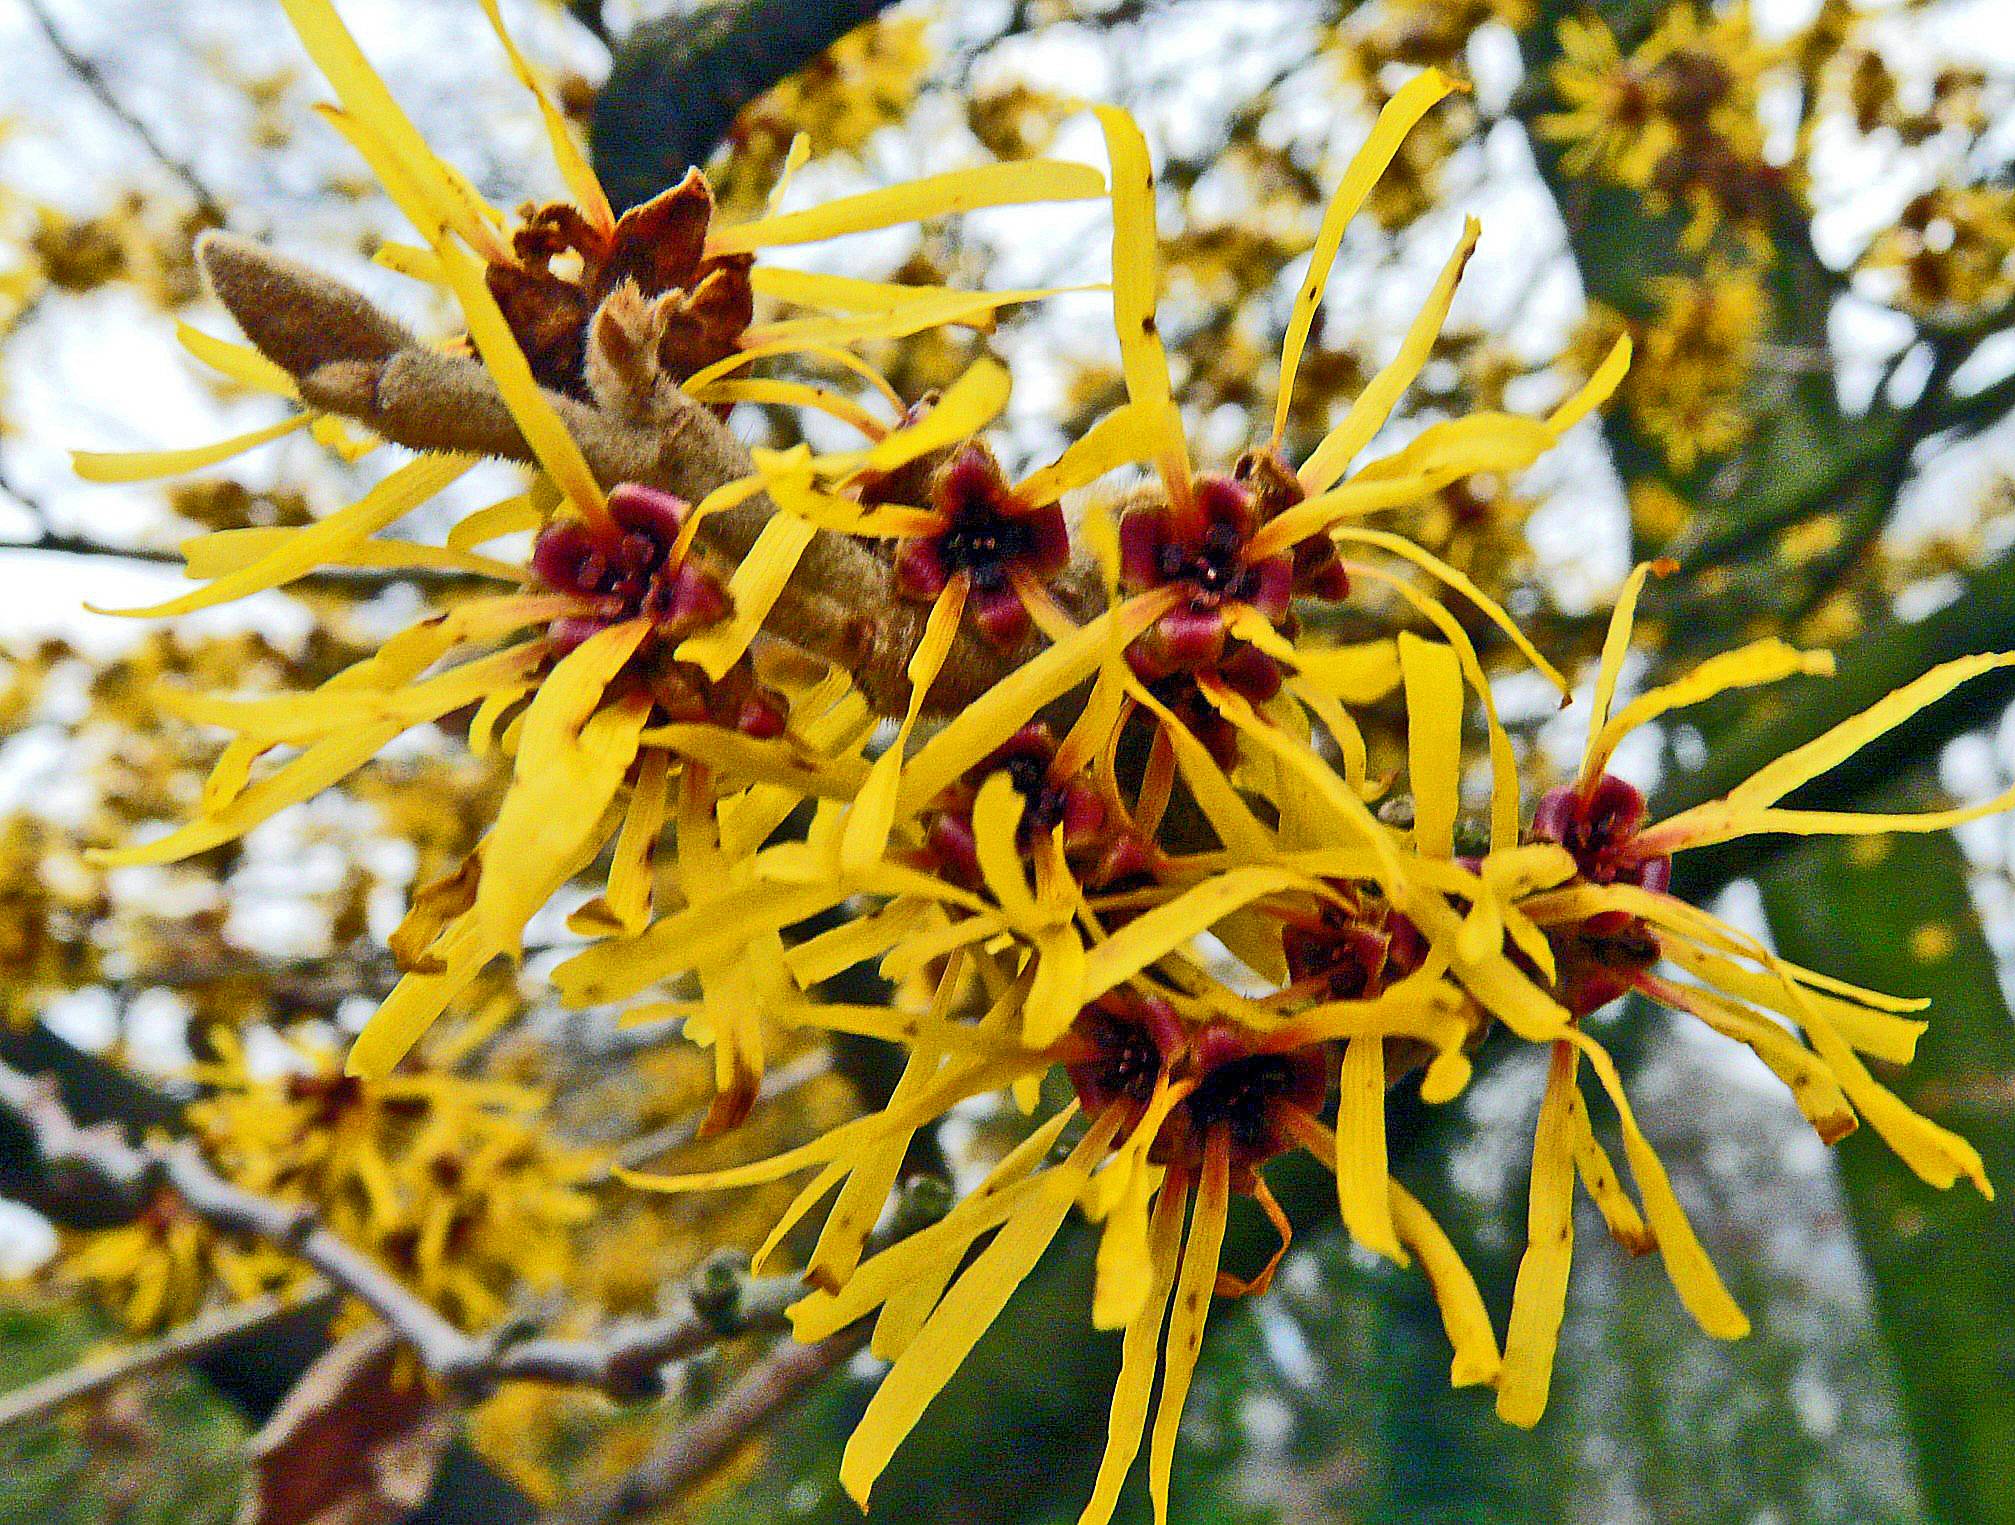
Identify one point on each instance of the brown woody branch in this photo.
(213, 1331)
(624, 1360)
(349, 358)
(676, 84)
(709, 1438)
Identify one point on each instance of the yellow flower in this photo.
(454, 1184)
(160, 1269)
(1676, 120)
(1183, 1106)
(1199, 570)
(1657, 513)
(630, 676)
(1068, 926)
(1687, 393)
(1608, 921)
(1954, 250)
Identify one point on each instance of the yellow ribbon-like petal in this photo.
(433, 197)
(1463, 1314)
(1540, 1297)
(961, 190)
(314, 544)
(1935, 1153)
(909, 1305)
(1433, 741)
(873, 815)
(510, 516)
(242, 363)
(1503, 760)
(1136, 284)
(1005, 1191)
(1361, 1180)
(277, 718)
(1159, 932)
(1242, 832)
(1140, 1351)
(1362, 673)
(148, 465)
(1408, 105)
(530, 408)
(225, 551)
(627, 905)
(1461, 582)
(1326, 463)
(1595, 391)
(1609, 672)
(968, 406)
(1811, 1083)
(581, 180)
(997, 714)
(1120, 438)
(1766, 661)
(1692, 1274)
(1771, 783)
(754, 587)
(966, 1313)
(794, 394)
(572, 758)
(1194, 1286)
(997, 815)
(319, 766)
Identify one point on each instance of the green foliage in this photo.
(163, 1453)
(1942, 1263)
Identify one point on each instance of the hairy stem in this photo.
(349, 358)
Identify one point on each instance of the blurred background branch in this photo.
(676, 85)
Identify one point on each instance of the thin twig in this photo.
(54, 544)
(352, 578)
(772, 1385)
(200, 1337)
(624, 1360)
(30, 504)
(696, 1448)
(92, 78)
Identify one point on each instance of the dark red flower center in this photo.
(1204, 552)
(1352, 952)
(985, 546)
(625, 569)
(1238, 1091)
(330, 1095)
(987, 534)
(1600, 959)
(1242, 1097)
(1126, 1060)
(1212, 563)
(1028, 758)
(1598, 827)
(1046, 800)
(1205, 549)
